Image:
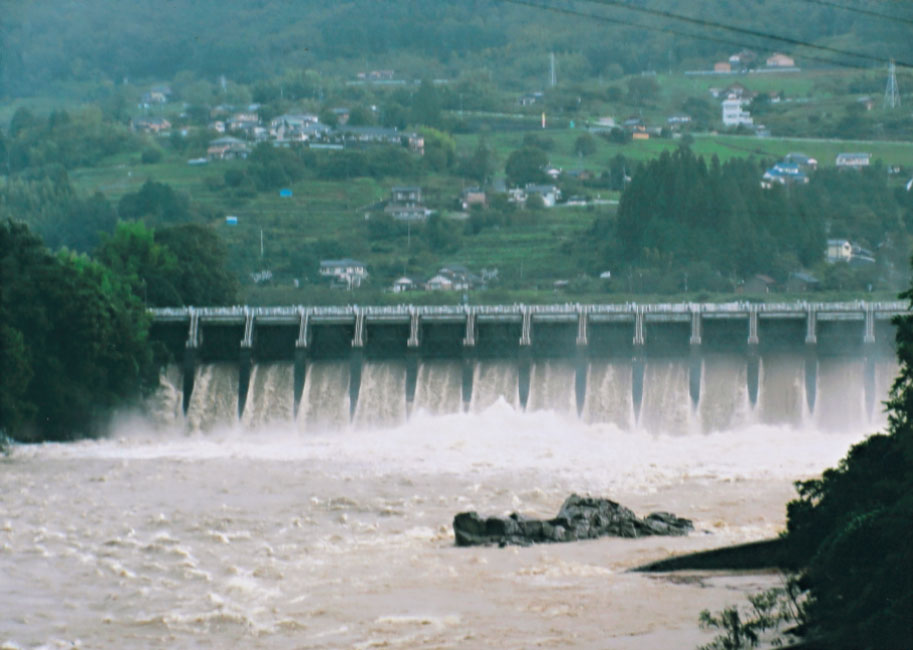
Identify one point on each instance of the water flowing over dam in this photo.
(293, 482)
(671, 367)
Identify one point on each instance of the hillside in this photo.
(44, 44)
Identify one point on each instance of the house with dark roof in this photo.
(758, 284)
(227, 148)
(151, 124)
(783, 173)
(801, 159)
(406, 204)
(800, 282)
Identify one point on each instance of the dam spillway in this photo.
(660, 366)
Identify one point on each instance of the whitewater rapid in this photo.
(318, 532)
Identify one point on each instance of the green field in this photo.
(725, 146)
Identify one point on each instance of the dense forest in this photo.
(685, 222)
(74, 344)
(44, 42)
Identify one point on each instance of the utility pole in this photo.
(553, 77)
(891, 93)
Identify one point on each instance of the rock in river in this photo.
(579, 518)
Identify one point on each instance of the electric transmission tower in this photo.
(891, 93)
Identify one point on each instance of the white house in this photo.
(853, 160)
(345, 272)
(549, 193)
(839, 250)
(403, 284)
(777, 60)
(734, 114)
(439, 283)
(843, 250)
(801, 159)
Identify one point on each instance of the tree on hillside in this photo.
(52, 209)
(440, 149)
(681, 211)
(526, 166)
(642, 89)
(146, 266)
(585, 145)
(426, 105)
(170, 267)
(849, 531)
(4, 155)
(156, 203)
(74, 341)
(70, 140)
(201, 276)
(480, 165)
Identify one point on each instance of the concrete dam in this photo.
(659, 366)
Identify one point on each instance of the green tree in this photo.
(585, 145)
(147, 267)
(156, 203)
(480, 165)
(4, 154)
(526, 166)
(849, 531)
(426, 105)
(75, 339)
(440, 149)
(201, 275)
(172, 266)
(642, 89)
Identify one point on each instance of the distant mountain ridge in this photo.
(46, 42)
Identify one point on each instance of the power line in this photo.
(741, 30)
(857, 10)
(665, 30)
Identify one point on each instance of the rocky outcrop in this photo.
(579, 518)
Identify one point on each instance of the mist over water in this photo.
(326, 533)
